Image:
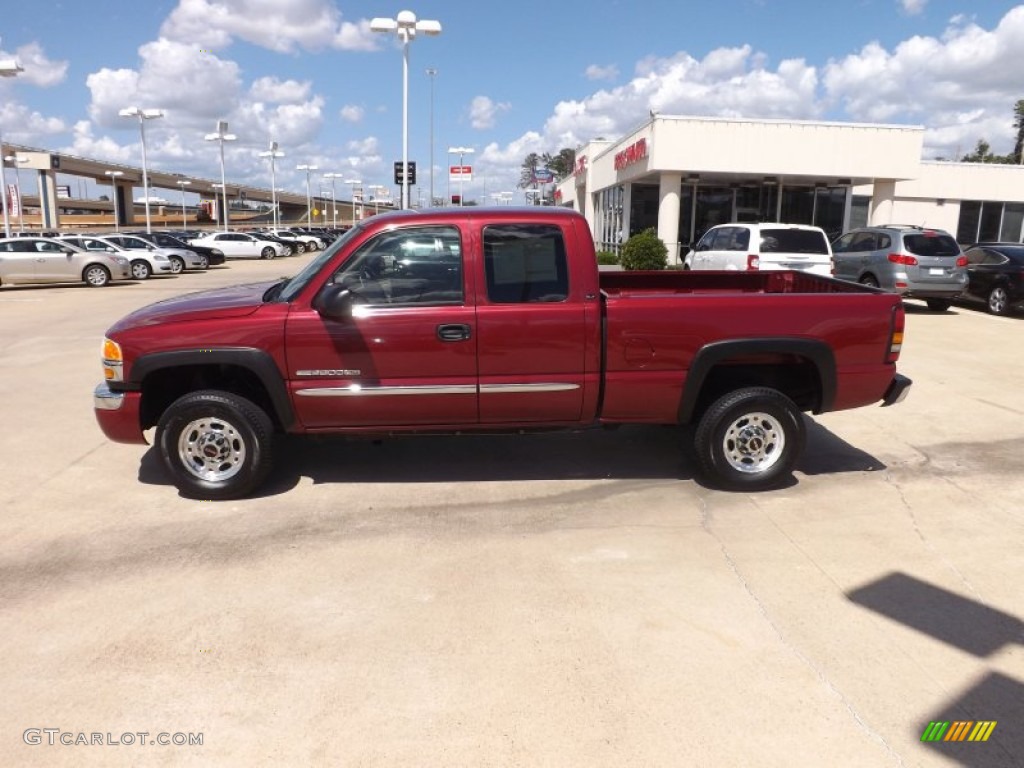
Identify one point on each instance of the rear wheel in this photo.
(870, 281)
(749, 439)
(216, 445)
(998, 301)
(141, 270)
(268, 253)
(939, 305)
(96, 276)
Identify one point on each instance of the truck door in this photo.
(408, 354)
(532, 326)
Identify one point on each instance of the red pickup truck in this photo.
(493, 319)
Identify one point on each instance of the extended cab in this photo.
(493, 319)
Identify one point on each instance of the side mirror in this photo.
(334, 301)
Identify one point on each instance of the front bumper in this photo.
(117, 413)
(898, 390)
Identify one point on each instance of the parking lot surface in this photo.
(554, 600)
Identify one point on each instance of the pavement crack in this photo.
(819, 673)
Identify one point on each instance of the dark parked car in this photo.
(995, 275)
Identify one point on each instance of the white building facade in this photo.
(683, 175)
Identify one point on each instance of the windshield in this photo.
(294, 286)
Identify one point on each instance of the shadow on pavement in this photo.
(627, 453)
(972, 627)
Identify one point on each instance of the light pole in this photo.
(432, 72)
(334, 209)
(8, 68)
(355, 183)
(183, 184)
(309, 204)
(14, 160)
(113, 186)
(272, 153)
(221, 135)
(461, 151)
(406, 26)
(143, 115)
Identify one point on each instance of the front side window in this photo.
(417, 265)
(525, 263)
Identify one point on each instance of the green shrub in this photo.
(607, 257)
(644, 251)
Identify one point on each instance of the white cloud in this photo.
(483, 112)
(352, 113)
(913, 7)
(596, 72)
(283, 27)
(969, 71)
(280, 91)
(39, 71)
(364, 147)
(23, 125)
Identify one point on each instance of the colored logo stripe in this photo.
(958, 730)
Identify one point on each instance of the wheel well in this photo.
(794, 376)
(165, 385)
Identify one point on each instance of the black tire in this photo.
(215, 445)
(870, 281)
(999, 301)
(749, 439)
(141, 270)
(939, 305)
(312, 246)
(204, 261)
(268, 253)
(300, 248)
(96, 276)
(177, 265)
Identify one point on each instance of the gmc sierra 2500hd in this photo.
(493, 319)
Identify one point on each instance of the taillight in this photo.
(962, 261)
(899, 320)
(753, 262)
(899, 258)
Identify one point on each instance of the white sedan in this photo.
(239, 245)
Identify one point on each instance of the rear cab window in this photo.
(525, 263)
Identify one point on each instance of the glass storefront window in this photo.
(1013, 222)
(967, 228)
(991, 217)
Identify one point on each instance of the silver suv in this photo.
(913, 261)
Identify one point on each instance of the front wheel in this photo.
(141, 270)
(204, 261)
(939, 305)
(96, 276)
(177, 265)
(998, 301)
(749, 439)
(215, 445)
(268, 253)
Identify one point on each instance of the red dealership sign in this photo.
(634, 153)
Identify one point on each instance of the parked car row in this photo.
(916, 262)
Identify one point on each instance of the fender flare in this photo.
(710, 355)
(257, 361)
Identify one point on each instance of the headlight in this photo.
(112, 360)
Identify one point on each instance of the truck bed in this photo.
(673, 282)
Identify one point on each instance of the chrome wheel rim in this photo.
(997, 300)
(95, 276)
(140, 271)
(176, 266)
(754, 442)
(212, 449)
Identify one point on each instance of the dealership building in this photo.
(683, 175)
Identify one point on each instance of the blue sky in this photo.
(512, 77)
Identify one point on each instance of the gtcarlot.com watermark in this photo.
(58, 736)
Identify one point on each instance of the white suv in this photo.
(749, 247)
